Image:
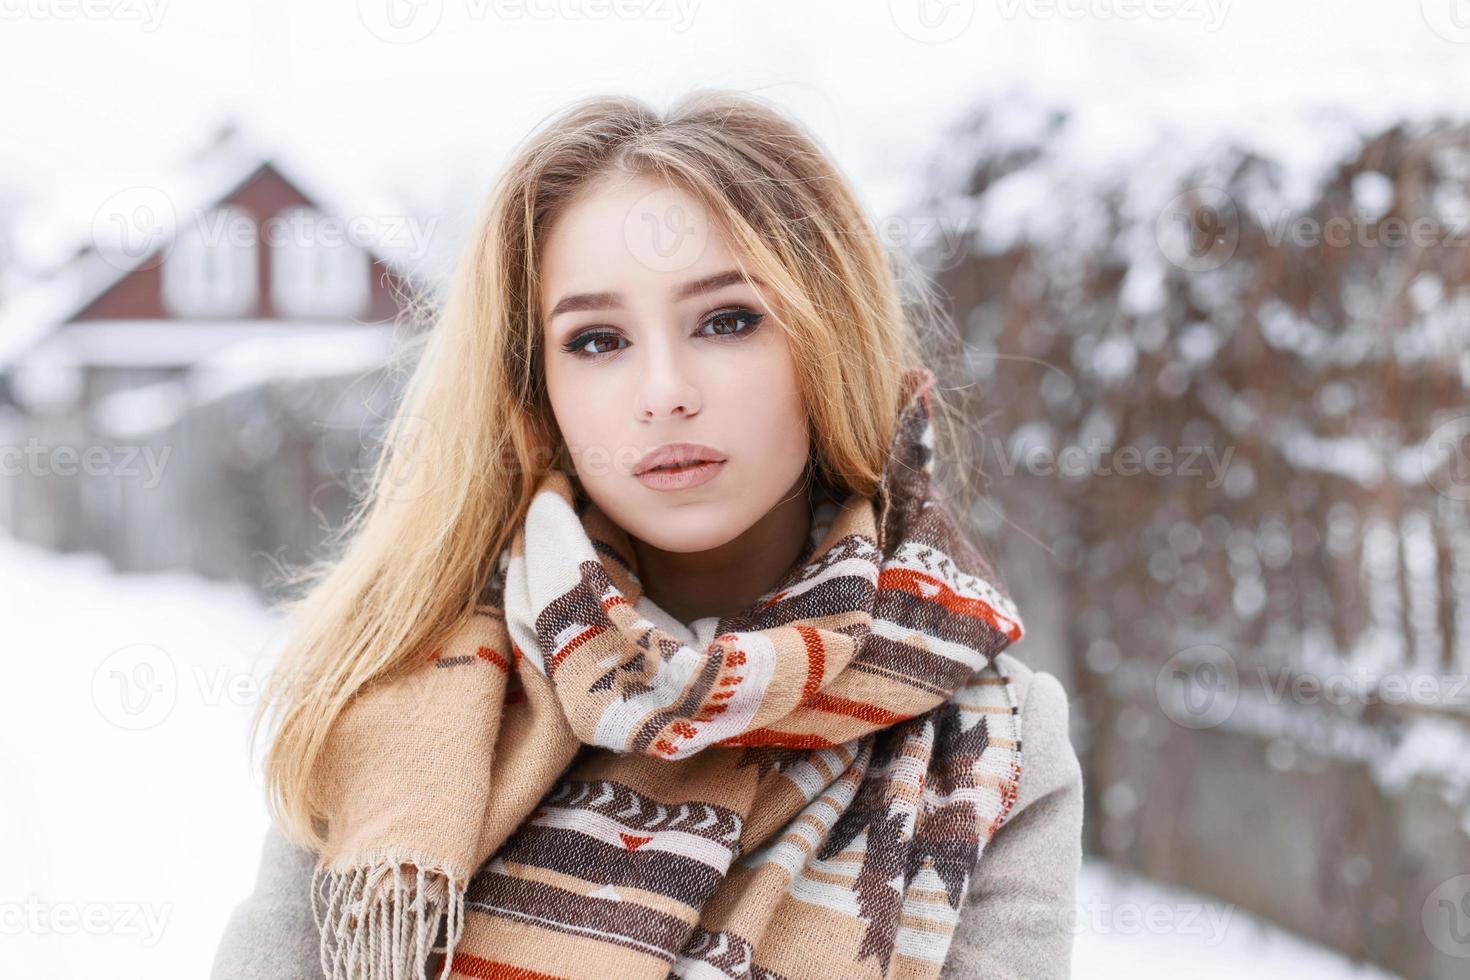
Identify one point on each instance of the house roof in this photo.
(99, 259)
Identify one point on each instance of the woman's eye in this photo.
(579, 344)
(725, 321)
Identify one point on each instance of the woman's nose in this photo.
(667, 386)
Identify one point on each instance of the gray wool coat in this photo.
(1017, 920)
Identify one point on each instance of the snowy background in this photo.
(130, 814)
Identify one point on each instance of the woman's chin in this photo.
(686, 530)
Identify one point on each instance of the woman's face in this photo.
(652, 337)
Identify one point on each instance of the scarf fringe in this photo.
(379, 921)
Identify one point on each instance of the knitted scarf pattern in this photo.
(576, 785)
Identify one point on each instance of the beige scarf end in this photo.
(379, 922)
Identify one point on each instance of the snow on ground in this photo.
(131, 820)
(1130, 926)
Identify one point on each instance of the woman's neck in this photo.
(725, 580)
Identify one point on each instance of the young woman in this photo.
(664, 652)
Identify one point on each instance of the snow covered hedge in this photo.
(1224, 389)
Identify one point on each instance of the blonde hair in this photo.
(474, 429)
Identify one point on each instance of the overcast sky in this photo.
(420, 98)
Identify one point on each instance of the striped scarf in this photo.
(576, 785)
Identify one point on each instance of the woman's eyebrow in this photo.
(580, 302)
(709, 284)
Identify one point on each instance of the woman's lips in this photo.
(681, 478)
